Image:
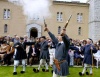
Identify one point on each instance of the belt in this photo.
(57, 63)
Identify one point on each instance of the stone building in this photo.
(94, 19)
(12, 20)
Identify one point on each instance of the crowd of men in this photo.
(44, 49)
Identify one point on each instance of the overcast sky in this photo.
(73, 0)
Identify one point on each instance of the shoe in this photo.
(43, 70)
(22, 72)
(14, 73)
(37, 71)
(87, 73)
(46, 70)
(34, 69)
(81, 74)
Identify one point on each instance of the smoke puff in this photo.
(34, 8)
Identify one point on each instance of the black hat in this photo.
(43, 37)
(21, 38)
(90, 39)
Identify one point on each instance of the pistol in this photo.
(45, 23)
(68, 21)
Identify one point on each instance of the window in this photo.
(59, 30)
(5, 28)
(79, 17)
(59, 16)
(79, 31)
(6, 14)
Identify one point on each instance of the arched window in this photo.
(79, 31)
(5, 28)
(79, 17)
(59, 16)
(6, 14)
(59, 30)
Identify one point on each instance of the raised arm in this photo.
(65, 38)
(66, 41)
(54, 39)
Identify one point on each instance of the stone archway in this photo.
(35, 28)
(33, 32)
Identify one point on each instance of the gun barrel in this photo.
(44, 22)
(68, 21)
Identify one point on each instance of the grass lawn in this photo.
(6, 71)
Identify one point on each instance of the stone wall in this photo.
(94, 20)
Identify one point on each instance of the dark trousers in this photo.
(7, 58)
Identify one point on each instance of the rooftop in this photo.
(71, 3)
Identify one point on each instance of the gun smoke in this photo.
(34, 8)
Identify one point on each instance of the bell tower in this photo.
(94, 20)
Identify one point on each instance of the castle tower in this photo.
(94, 20)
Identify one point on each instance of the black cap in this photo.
(21, 38)
(43, 37)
